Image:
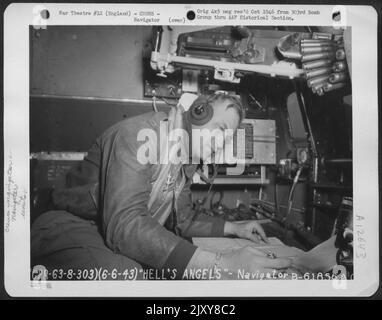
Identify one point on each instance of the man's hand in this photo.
(254, 261)
(250, 230)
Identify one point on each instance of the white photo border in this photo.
(363, 22)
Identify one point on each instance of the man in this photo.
(143, 209)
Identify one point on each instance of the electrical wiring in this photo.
(154, 102)
(277, 208)
(291, 195)
(271, 207)
(168, 102)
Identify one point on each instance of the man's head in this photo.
(210, 116)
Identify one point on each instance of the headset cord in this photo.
(290, 200)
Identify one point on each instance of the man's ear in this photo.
(186, 100)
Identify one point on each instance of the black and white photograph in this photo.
(189, 152)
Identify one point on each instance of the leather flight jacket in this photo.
(112, 187)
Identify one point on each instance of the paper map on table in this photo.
(320, 259)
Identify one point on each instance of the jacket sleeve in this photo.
(125, 188)
(193, 224)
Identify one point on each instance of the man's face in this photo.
(212, 137)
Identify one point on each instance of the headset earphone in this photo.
(201, 112)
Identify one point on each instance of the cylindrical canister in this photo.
(340, 54)
(320, 91)
(339, 66)
(317, 56)
(322, 36)
(318, 72)
(316, 87)
(333, 86)
(317, 80)
(316, 64)
(316, 43)
(317, 49)
(338, 77)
